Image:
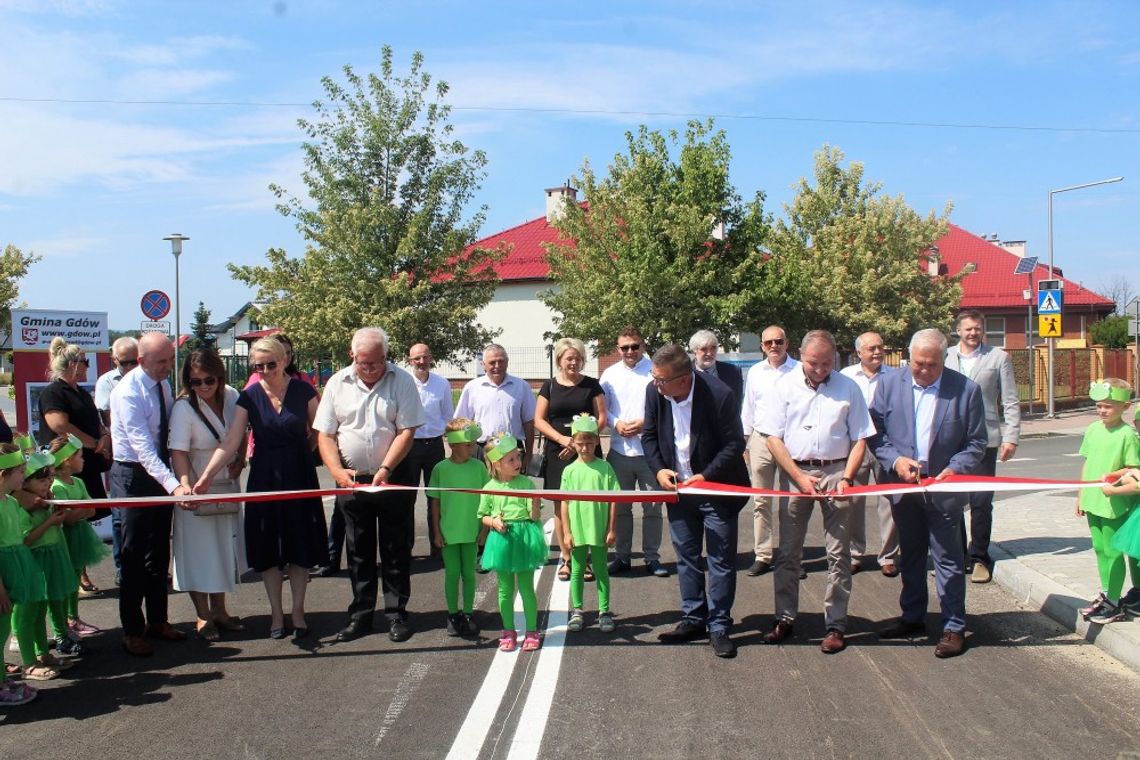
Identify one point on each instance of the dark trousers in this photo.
(695, 524)
(925, 527)
(981, 515)
(387, 517)
(117, 537)
(425, 454)
(336, 535)
(144, 555)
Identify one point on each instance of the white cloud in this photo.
(66, 246)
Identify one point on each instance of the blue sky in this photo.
(94, 187)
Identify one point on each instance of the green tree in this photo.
(647, 250)
(200, 335)
(14, 266)
(1111, 332)
(849, 260)
(385, 234)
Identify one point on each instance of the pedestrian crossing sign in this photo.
(1049, 325)
(1049, 301)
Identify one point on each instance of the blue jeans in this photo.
(695, 524)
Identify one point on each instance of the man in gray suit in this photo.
(992, 369)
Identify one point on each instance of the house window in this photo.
(995, 331)
(254, 326)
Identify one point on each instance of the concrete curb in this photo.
(1119, 640)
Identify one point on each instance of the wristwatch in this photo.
(383, 467)
(848, 481)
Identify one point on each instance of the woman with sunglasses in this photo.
(65, 408)
(206, 539)
(279, 535)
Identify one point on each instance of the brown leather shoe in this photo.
(780, 631)
(889, 569)
(166, 632)
(833, 642)
(137, 646)
(951, 645)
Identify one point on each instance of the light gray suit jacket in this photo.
(993, 372)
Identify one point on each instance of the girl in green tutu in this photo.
(515, 546)
(83, 544)
(1126, 482)
(21, 581)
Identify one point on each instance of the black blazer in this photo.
(717, 439)
(730, 375)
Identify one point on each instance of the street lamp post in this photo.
(1052, 341)
(176, 240)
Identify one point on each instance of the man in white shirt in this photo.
(500, 402)
(624, 384)
(365, 425)
(435, 396)
(140, 428)
(817, 425)
(125, 357)
(761, 377)
(867, 374)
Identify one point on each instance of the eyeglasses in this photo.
(209, 382)
(128, 362)
(629, 347)
(774, 342)
(661, 383)
(270, 366)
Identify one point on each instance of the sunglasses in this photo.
(774, 342)
(266, 366)
(629, 347)
(128, 362)
(209, 382)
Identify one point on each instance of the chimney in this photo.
(1017, 247)
(555, 197)
(932, 260)
(717, 231)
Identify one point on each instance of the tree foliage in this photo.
(643, 252)
(1111, 332)
(1118, 288)
(14, 265)
(200, 335)
(385, 232)
(849, 260)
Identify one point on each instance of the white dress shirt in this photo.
(498, 408)
(625, 401)
(925, 399)
(867, 383)
(365, 420)
(683, 433)
(135, 420)
(761, 377)
(815, 423)
(103, 387)
(435, 396)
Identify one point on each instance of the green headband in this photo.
(584, 423)
(26, 442)
(1104, 392)
(470, 434)
(12, 459)
(67, 451)
(37, 462)
(499, 446)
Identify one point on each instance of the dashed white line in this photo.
(413, 677)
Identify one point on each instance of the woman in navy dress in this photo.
(280, 536)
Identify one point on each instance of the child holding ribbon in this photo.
(515, 547)
(455, 521)
(589, 525)
(1109, 445)
(21, 581)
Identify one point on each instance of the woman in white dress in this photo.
(206, 536)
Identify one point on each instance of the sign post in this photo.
(1050, 301)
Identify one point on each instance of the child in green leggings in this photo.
(515, 546)
(1108, 446)
(21, 581)
(589, 525)
(455, 521)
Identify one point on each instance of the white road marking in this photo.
(1021, 459)
(1073, 454)
(413, 677)
(481, 716)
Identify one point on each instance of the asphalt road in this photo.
(1025, 689)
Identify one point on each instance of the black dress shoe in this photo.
(900, 628)
(722, 645)
(686, 630)
(300, 633)
(399, 631)
(759, 567)
(354, 630)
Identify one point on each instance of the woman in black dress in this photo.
(279, 535)
(66, 408)
(561, 398)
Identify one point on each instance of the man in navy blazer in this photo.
(929, 421)
(691, 434)
(703, 346)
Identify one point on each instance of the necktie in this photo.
(163, 426)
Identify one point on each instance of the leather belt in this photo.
(815, 463)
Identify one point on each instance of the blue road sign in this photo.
(1050, 301)
(155, 304)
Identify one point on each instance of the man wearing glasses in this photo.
(761, 377)
(692, 434)
(125, 357)
(624, 384)
(704, 346)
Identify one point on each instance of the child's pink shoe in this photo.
(532, 641)
(508, 641)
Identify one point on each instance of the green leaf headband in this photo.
(12, 459)
(37, 462)
(1103, 391)
(470, 434)
(67, 451)
(26, 442)
(499, 446)
(584, 423)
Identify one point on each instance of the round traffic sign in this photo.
(155, 304)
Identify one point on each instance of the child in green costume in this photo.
(1108, 446)
(589, 525)
(455, 521)
(515, 546)
(21, 581)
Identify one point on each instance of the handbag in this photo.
(213, 508)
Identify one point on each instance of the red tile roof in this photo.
(527, 258)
